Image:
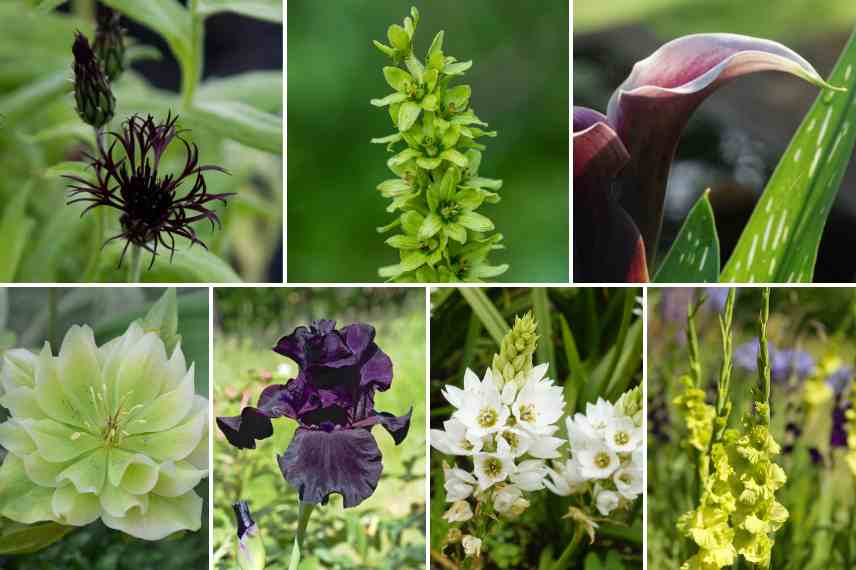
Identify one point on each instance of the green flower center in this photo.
(512, 438)
(527, 413)
(466, 445)
(602, 460)
(622, 438)
(113, 422)
(487, 418)
(449, 211)
(492, 467)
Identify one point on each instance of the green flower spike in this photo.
(438, 188)
(514, 360)
(112, 432)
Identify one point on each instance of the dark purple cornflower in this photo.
(332, 399)
(153, 212)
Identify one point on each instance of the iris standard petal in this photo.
(319, 463)
(607, 245)
(650, 109)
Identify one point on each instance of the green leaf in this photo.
(457, 68)
(546, 348)
(407, 115)
(46, 5)
(239, 122)
(259, 89)
(15, 230)
(475, 221)
(396, 97)
(22, 539)
(486, 311)
(780, 241)
(294, 561)
(694, 257)
(430, 226)
(268, 10)
(162, 318)
(50, 245)
(70, 168)
(397, 77)
(455, 157)
(579, 375)
(189, 265)
(436, 44)
(26, 100)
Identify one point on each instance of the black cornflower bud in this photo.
(95, 101)
(109, 44)
(152, 211)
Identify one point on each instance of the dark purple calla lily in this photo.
(332, 398)
(622, 160)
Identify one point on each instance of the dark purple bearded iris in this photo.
(332, 398)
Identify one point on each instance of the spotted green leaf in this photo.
(780, 242)
(694, 257)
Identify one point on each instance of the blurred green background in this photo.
(734, 141)
(519, 80)
(31, 316)
(387, 531)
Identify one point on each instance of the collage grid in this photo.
(235, 354)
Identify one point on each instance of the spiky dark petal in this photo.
(126, 178)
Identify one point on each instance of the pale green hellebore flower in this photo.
(112, 432)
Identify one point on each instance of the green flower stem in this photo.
(193, 70)
(84, 9)
(726, 323)
(764, 373)
(91, 271)
(135, 267)
(564, 560)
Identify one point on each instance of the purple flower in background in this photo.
(716, 297)
(332, 399)
(838, 379)
(783, 363)
(675, 302)
(838, 436)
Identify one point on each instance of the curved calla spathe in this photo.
(637, 140)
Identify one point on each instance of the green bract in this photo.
(438, 188)
(112, 432)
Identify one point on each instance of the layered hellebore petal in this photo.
(332, 398)
(607, 245)
(109, 432)
(649, 110)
